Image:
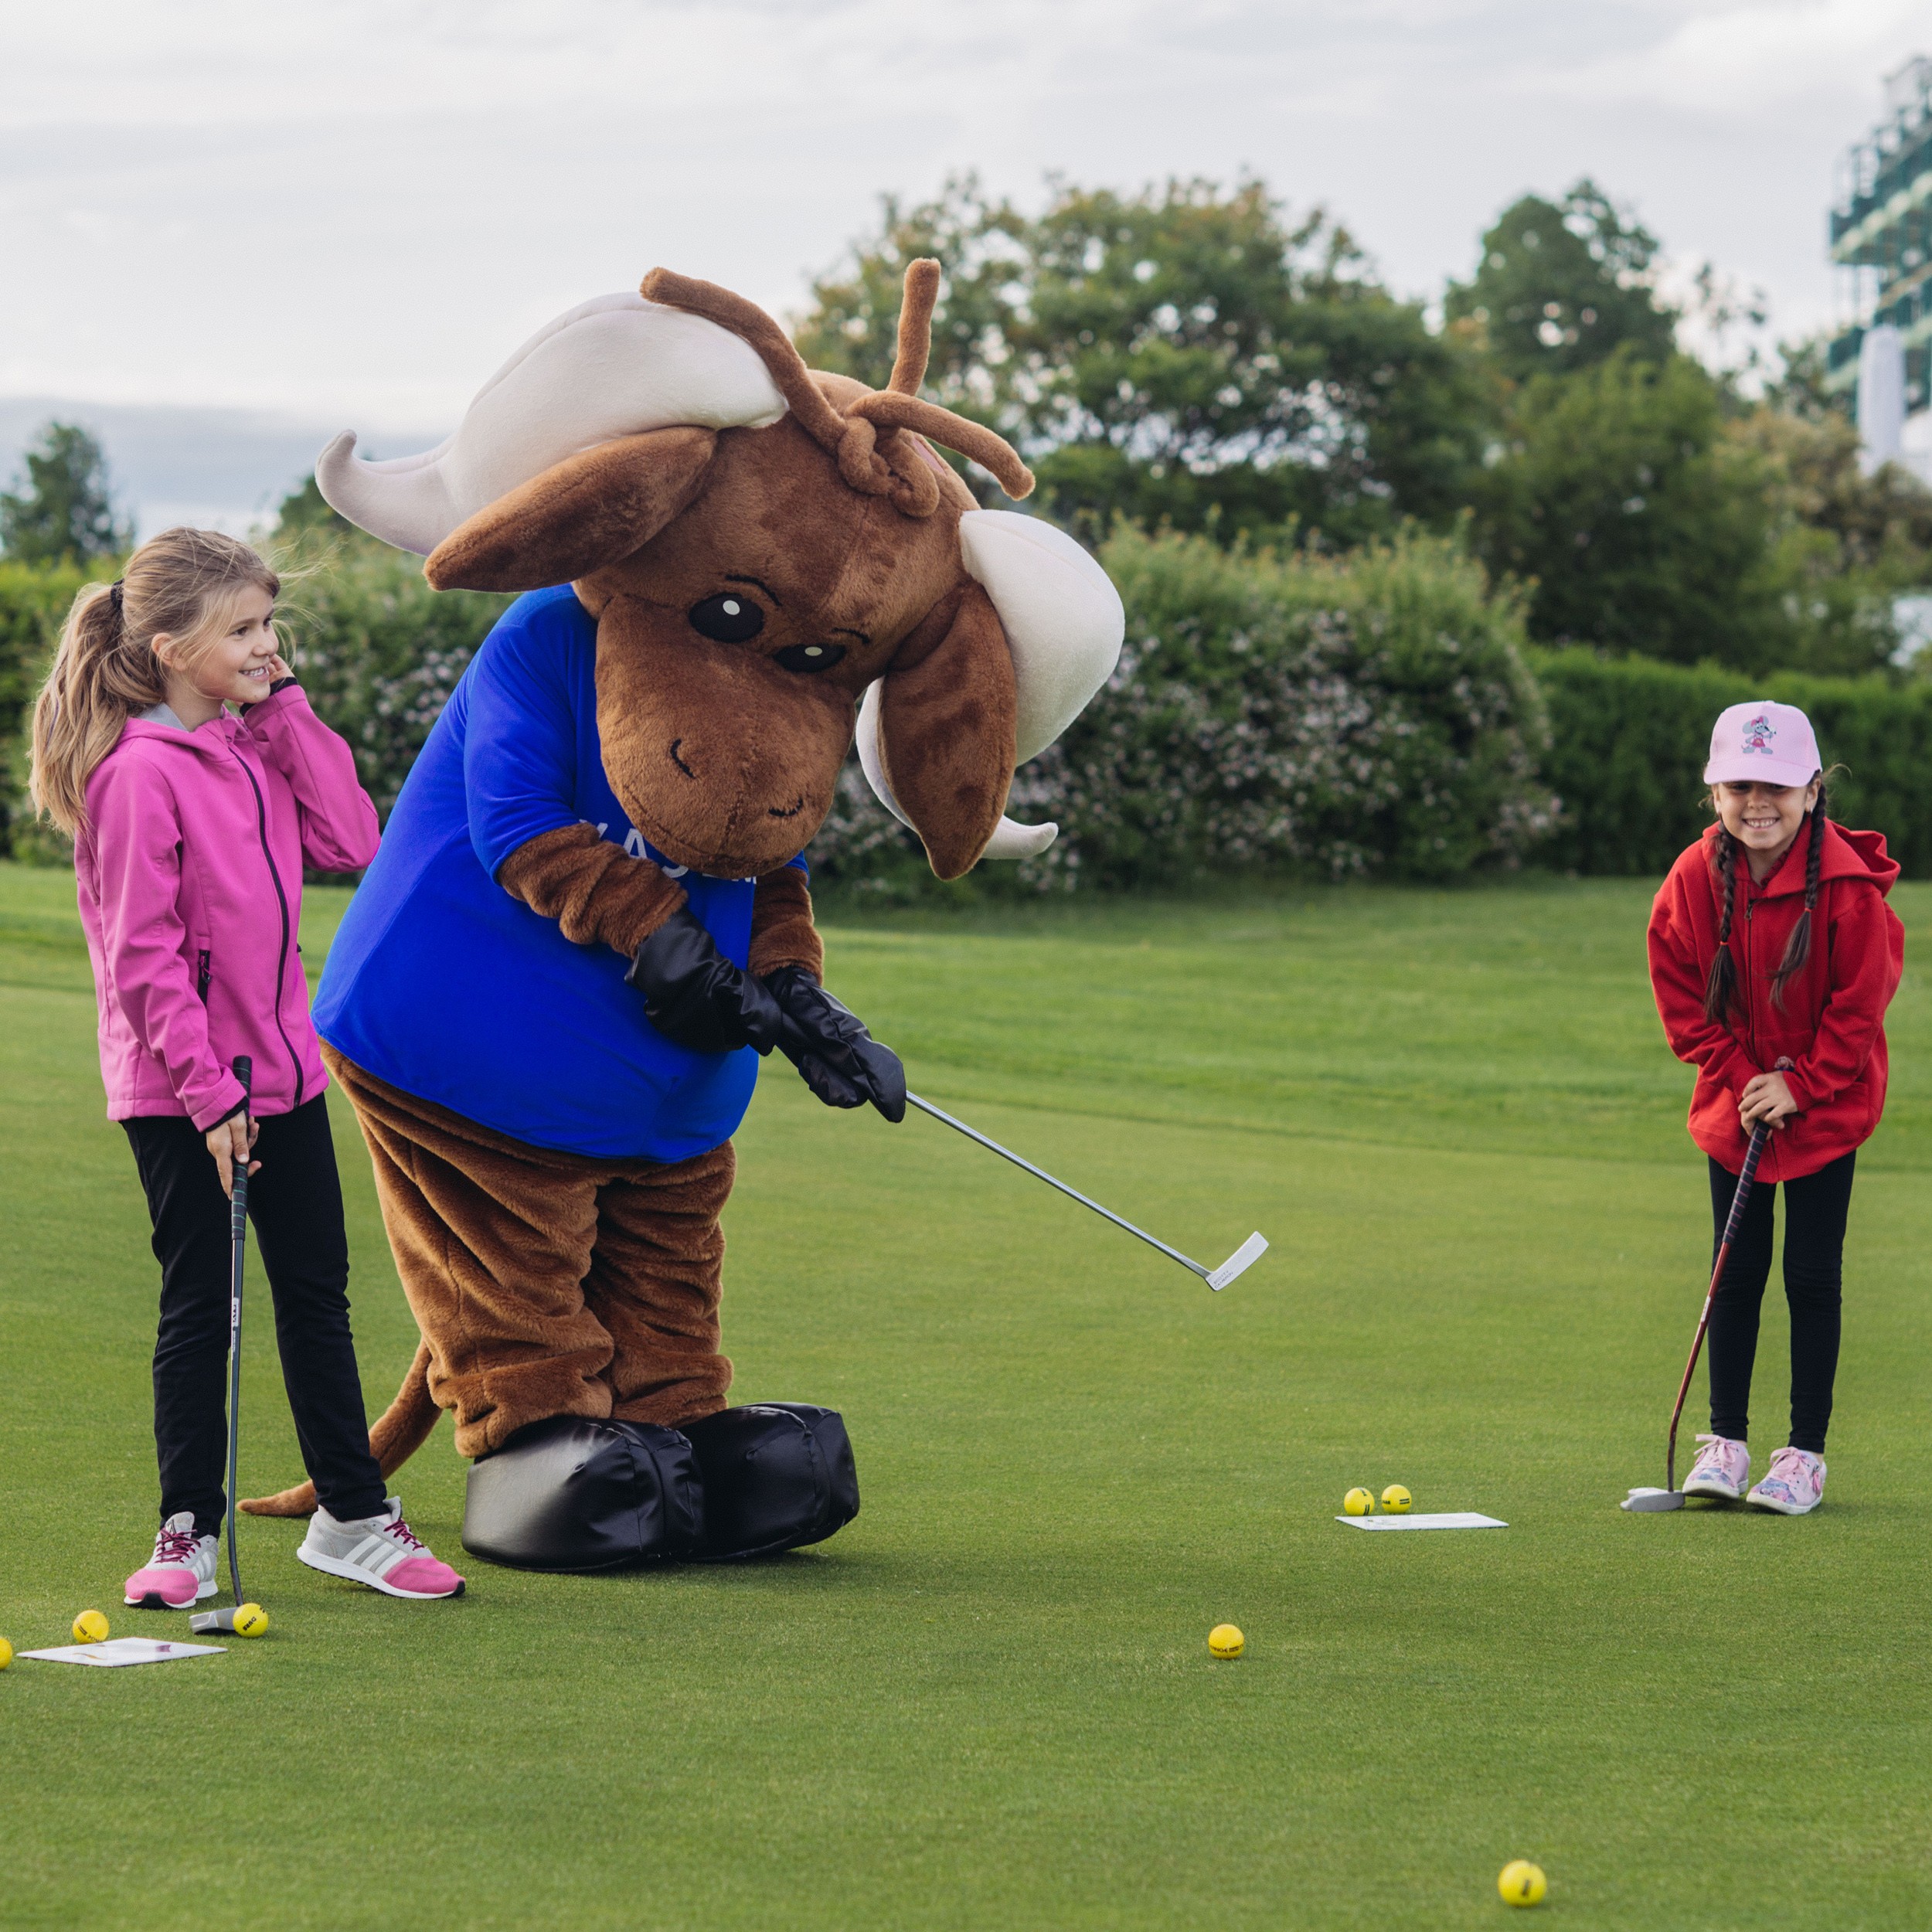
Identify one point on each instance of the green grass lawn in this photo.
(988, 1702)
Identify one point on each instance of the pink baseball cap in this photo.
(1771, 744)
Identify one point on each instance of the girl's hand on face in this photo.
(230, 1141)
(1768, 1097)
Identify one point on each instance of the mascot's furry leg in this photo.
(568, 1308)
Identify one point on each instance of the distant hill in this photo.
(225, 468)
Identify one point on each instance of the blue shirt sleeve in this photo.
(520, 754)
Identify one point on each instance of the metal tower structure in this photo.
(1881, 237)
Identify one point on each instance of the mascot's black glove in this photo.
(695, 995)
(837, 1058)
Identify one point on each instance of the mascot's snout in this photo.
(671, 712)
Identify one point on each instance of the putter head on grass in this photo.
(1243, 1258)
(1648, 1501)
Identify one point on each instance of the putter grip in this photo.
(238, 1195)
(1743, 1193)
(1748, 1173)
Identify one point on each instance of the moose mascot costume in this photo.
(589, 915)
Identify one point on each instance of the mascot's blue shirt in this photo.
(443, 985)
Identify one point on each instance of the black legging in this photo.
(295, 1204)
(1815, 1211)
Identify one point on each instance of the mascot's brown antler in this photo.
(879, 465)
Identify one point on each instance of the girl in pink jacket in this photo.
(172, 743)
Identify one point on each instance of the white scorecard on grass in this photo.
(1243, 1258)
(1450, 1519)
(120, 1650)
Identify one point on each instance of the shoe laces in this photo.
(1714, 1453)
(401, 1533)
(1789, 1464)
(174, 1546)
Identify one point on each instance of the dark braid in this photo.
(1799, 948)
(1722, 986)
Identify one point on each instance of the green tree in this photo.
(1562, 285)
(305, 512)
(1847, 544)
(1184, 355)
(62, 512)
(1638, 523)
(1798, 387)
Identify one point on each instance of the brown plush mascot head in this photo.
(762, 546)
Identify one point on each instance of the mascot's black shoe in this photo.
(776, 1474)
(573, 1494)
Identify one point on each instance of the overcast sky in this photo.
(350, 210)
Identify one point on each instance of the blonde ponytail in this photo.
(181, 584)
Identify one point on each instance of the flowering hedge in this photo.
(1301, 715)
(378, 652)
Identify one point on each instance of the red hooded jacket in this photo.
(1832, 1024)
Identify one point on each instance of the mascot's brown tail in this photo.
(404, 1428)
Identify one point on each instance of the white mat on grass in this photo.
(125, 1650)
(1453, 1519)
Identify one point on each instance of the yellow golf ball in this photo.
(90, 1628)
(251, 1620)
(1358, 1502)
(1225, 1640)
(1396, 1500)
(1521, 1883)
(6, 1653)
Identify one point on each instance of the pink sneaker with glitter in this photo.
(1793, 1485)
(1722, 1469)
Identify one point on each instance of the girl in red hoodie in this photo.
(172, 743)
(1774, 956)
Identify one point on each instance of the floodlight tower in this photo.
(1881, 357)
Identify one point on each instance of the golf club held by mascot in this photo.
(590, 915)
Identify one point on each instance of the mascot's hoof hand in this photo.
(776, 1475)
(835, 1057)
(570, 1493)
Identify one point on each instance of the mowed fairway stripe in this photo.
(989, 1700)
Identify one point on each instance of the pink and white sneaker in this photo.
(1722, 1469)
(380, 1551)
(179, 1573)
(1793, 1485)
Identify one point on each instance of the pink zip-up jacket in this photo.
(189, 872)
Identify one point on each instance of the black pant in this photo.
(1815, 1211)
(295, 1203)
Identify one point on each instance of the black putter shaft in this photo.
(1732, 1223)
(238, 1232)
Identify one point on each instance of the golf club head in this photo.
(1243, 1258)
(1653, 1499)
(205, 1621)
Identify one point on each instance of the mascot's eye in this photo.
(729, 619)
(809, 657)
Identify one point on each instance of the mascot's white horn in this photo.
(615, 366)
(1064, 624)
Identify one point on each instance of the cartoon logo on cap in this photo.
(1758, 734)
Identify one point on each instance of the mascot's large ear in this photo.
(943, 736)
(591, 509)
(1063, 624)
